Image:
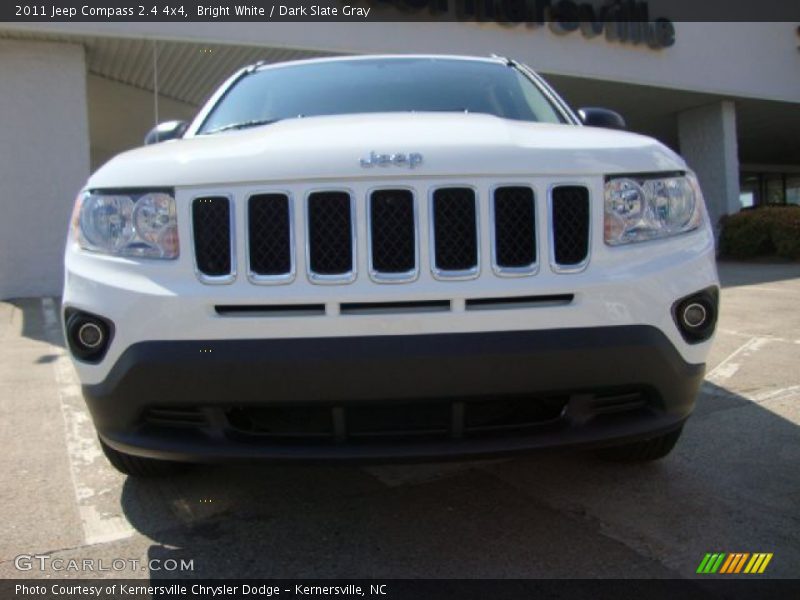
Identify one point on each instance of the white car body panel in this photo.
(326, 149)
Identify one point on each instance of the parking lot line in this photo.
(728, 368)
(89, 479)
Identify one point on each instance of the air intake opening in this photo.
(380, 308)
(519, 302)
(269, 310)
(454, 216)
(270, 240)
(288, 422)
(330, 235)
(175, 417)
(570, 225)
(393, 244)
(514, 228)
(212, 223)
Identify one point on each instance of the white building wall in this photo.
(121, 115)
(44, 160)
(751, 60)
(707, 137)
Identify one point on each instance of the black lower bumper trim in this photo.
(219, 377)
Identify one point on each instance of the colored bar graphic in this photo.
(741, 562)
(734, 562)
(729, 562)
(752, 563)
(718, 563)
(734, 559)
(765, 563)
(703, 563)
(711, 562)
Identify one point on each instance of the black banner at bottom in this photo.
(399, 589)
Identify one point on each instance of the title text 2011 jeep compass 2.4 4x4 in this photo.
(389, 257)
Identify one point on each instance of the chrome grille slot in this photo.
(383, 308)
(570, 227)
(269, 310)
(331, 236)
(455, 232)
(270, 239)
(392, 229)
(212, 223)
(518, 302)
(514, 230)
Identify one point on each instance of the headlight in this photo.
(639, 209)
(141, 224)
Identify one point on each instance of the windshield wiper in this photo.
(241, 125)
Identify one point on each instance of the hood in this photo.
(330, 148)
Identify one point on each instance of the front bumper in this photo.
(393, 397)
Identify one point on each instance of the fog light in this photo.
(696, 315)
(88, 335)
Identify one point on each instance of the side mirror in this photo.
(168, 130)
(601, 117)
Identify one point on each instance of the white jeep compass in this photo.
(376, 258)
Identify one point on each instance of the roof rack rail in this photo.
(509, 62)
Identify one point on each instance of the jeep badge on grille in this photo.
(399, 159)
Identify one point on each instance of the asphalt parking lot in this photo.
(732, 484)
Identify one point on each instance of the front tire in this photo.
(643, 451)
(136, 466)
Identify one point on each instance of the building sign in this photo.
(623, 21)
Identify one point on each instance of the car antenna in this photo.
(155, 81)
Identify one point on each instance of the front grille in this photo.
(455, 230)
(392, 232)
(449, 239)
(330, 233)
(407, 420)
(270, 237)
(514, 227)
(211, 220)
(403, 421)
(570, 225)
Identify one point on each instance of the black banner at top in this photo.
(567, 14)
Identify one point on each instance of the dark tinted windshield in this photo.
(381, 85)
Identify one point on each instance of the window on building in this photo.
(758, 189)
(748, 190)
(793, 189)
(747, 199)
(773, 188)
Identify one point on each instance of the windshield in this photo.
(380, 85)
